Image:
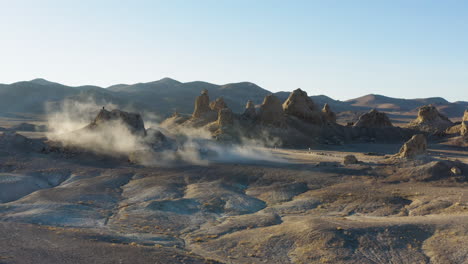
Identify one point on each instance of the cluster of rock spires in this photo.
(299, 119)
(296, 121)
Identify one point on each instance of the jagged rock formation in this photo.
(430, 120)
(202, 105)
(218, 104)
(414, 147)
(271, 112)
(132, 121)
(300, 105)
(328, 114)
(225, 117)
(373, 119)
(465, 116)
(250, 111)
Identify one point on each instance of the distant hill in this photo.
(167, 95)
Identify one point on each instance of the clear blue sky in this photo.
(343, 49)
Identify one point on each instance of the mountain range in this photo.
(168, 95)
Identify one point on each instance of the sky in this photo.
(343, 49)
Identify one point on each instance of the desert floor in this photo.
(300, 206)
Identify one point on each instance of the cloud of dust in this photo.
(184, 144)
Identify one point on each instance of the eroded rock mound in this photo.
(414, 147)
(132, 121)
(300, 105)
(271, 112)
(218, 104)
(374, 119)
(350, 159)
(250, 111)
(202, 106)
(14, 142)
(431, 171)
(430, 120)
(328, 114)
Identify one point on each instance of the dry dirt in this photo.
(306, 208)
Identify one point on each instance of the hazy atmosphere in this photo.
(344, 49)
(233, 132)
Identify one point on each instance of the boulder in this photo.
(250, 111)
(300, 105)
(373, 119)
(328, 114)
(350, 159)
(456, 171)
(202, 106)
(271, 112)
(414, 147)
(218, 104)
(430, 120)
(132, 121)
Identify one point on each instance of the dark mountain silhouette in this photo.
(167, 95)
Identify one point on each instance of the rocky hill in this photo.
(167, 95)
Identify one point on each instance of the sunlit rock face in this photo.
(271, 112)
(328, 114)
(300, 105)
(202, 105)
(374, 119)
(414, 147)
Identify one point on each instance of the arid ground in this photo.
(303, 206)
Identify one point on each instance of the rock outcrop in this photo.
(202, 106)
(373, 119)
(132, 121)
(464, 127)
(414, 147)
(271, 112)
(350, 159)
(250, 111)
(225, 117)
(218, 104)
(300, 105)
(430, 120)
(328, 114)
(464, 130)
(12, 142)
